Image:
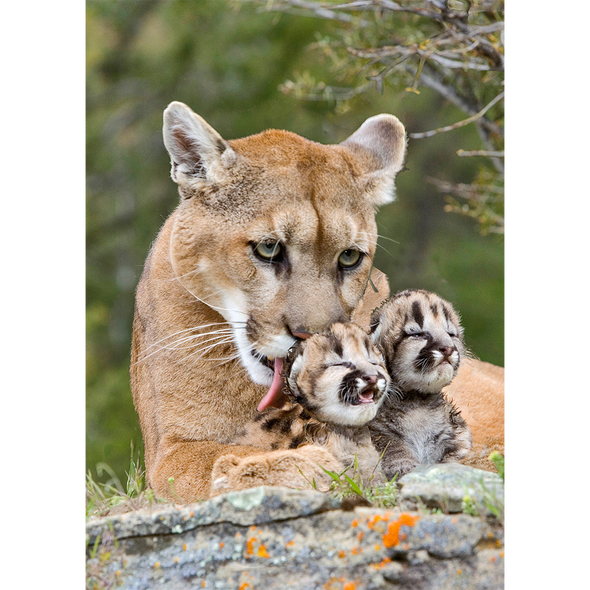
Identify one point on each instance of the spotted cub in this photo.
(422, 340)
(335, 382)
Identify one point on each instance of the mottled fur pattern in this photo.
(335, 383)
(422, 339)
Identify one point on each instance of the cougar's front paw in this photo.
(298, 468)
(220, 475)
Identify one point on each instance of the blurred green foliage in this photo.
(227, 63)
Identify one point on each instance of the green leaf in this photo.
(353, 485)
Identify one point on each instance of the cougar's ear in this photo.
(197, 151)
(380, 145)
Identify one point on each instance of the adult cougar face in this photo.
(275, 232)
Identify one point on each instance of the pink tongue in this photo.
(274, 398)
(366, 397)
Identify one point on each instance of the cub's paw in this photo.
(399, 467)
(288, 468)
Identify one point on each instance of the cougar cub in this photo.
(335, 382)
(422, 340)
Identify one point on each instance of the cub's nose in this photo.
(369, 379)
(447, 351)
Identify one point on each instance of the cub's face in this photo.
(339, 375)
(422, 338)
(274, 232)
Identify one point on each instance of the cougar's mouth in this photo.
(274, 397)
(264, 360)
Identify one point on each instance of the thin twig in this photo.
(486, 153)
(460, 123)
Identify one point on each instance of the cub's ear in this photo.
(375, 325)
(197, 151)
(291, 368)
(380, 145)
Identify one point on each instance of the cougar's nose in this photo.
(300, 333)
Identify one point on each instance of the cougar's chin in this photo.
(259, 360)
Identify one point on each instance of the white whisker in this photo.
(210, 305)
(194, 328)
(174, 345)
(215, 336)
(228, 329)
(202, 351)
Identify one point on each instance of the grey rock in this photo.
(453, 487)
(247, 507)
(274, 538)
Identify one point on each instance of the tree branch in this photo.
(460, 123)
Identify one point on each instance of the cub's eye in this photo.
(452, 334)
(269, 251)
(415, 334)
(350, 258)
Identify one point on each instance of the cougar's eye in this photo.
(350, 258)
(269, 251)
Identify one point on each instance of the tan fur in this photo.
(233, 473)
(478, 392)
(336, 442)
(191, 391)
(292, 469)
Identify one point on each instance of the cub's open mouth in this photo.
(364, 397)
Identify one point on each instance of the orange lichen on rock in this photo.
(221, 544)
(383, 563)
(360, 536)
(329, 585)
(341, 554)
(350, 586)
(354, 523)
(391, 537)
(244, 586)
(262, 552)
(373, 521)
(250, 546)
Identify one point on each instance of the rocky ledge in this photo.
(444, 532)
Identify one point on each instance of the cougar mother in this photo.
(273, 240)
